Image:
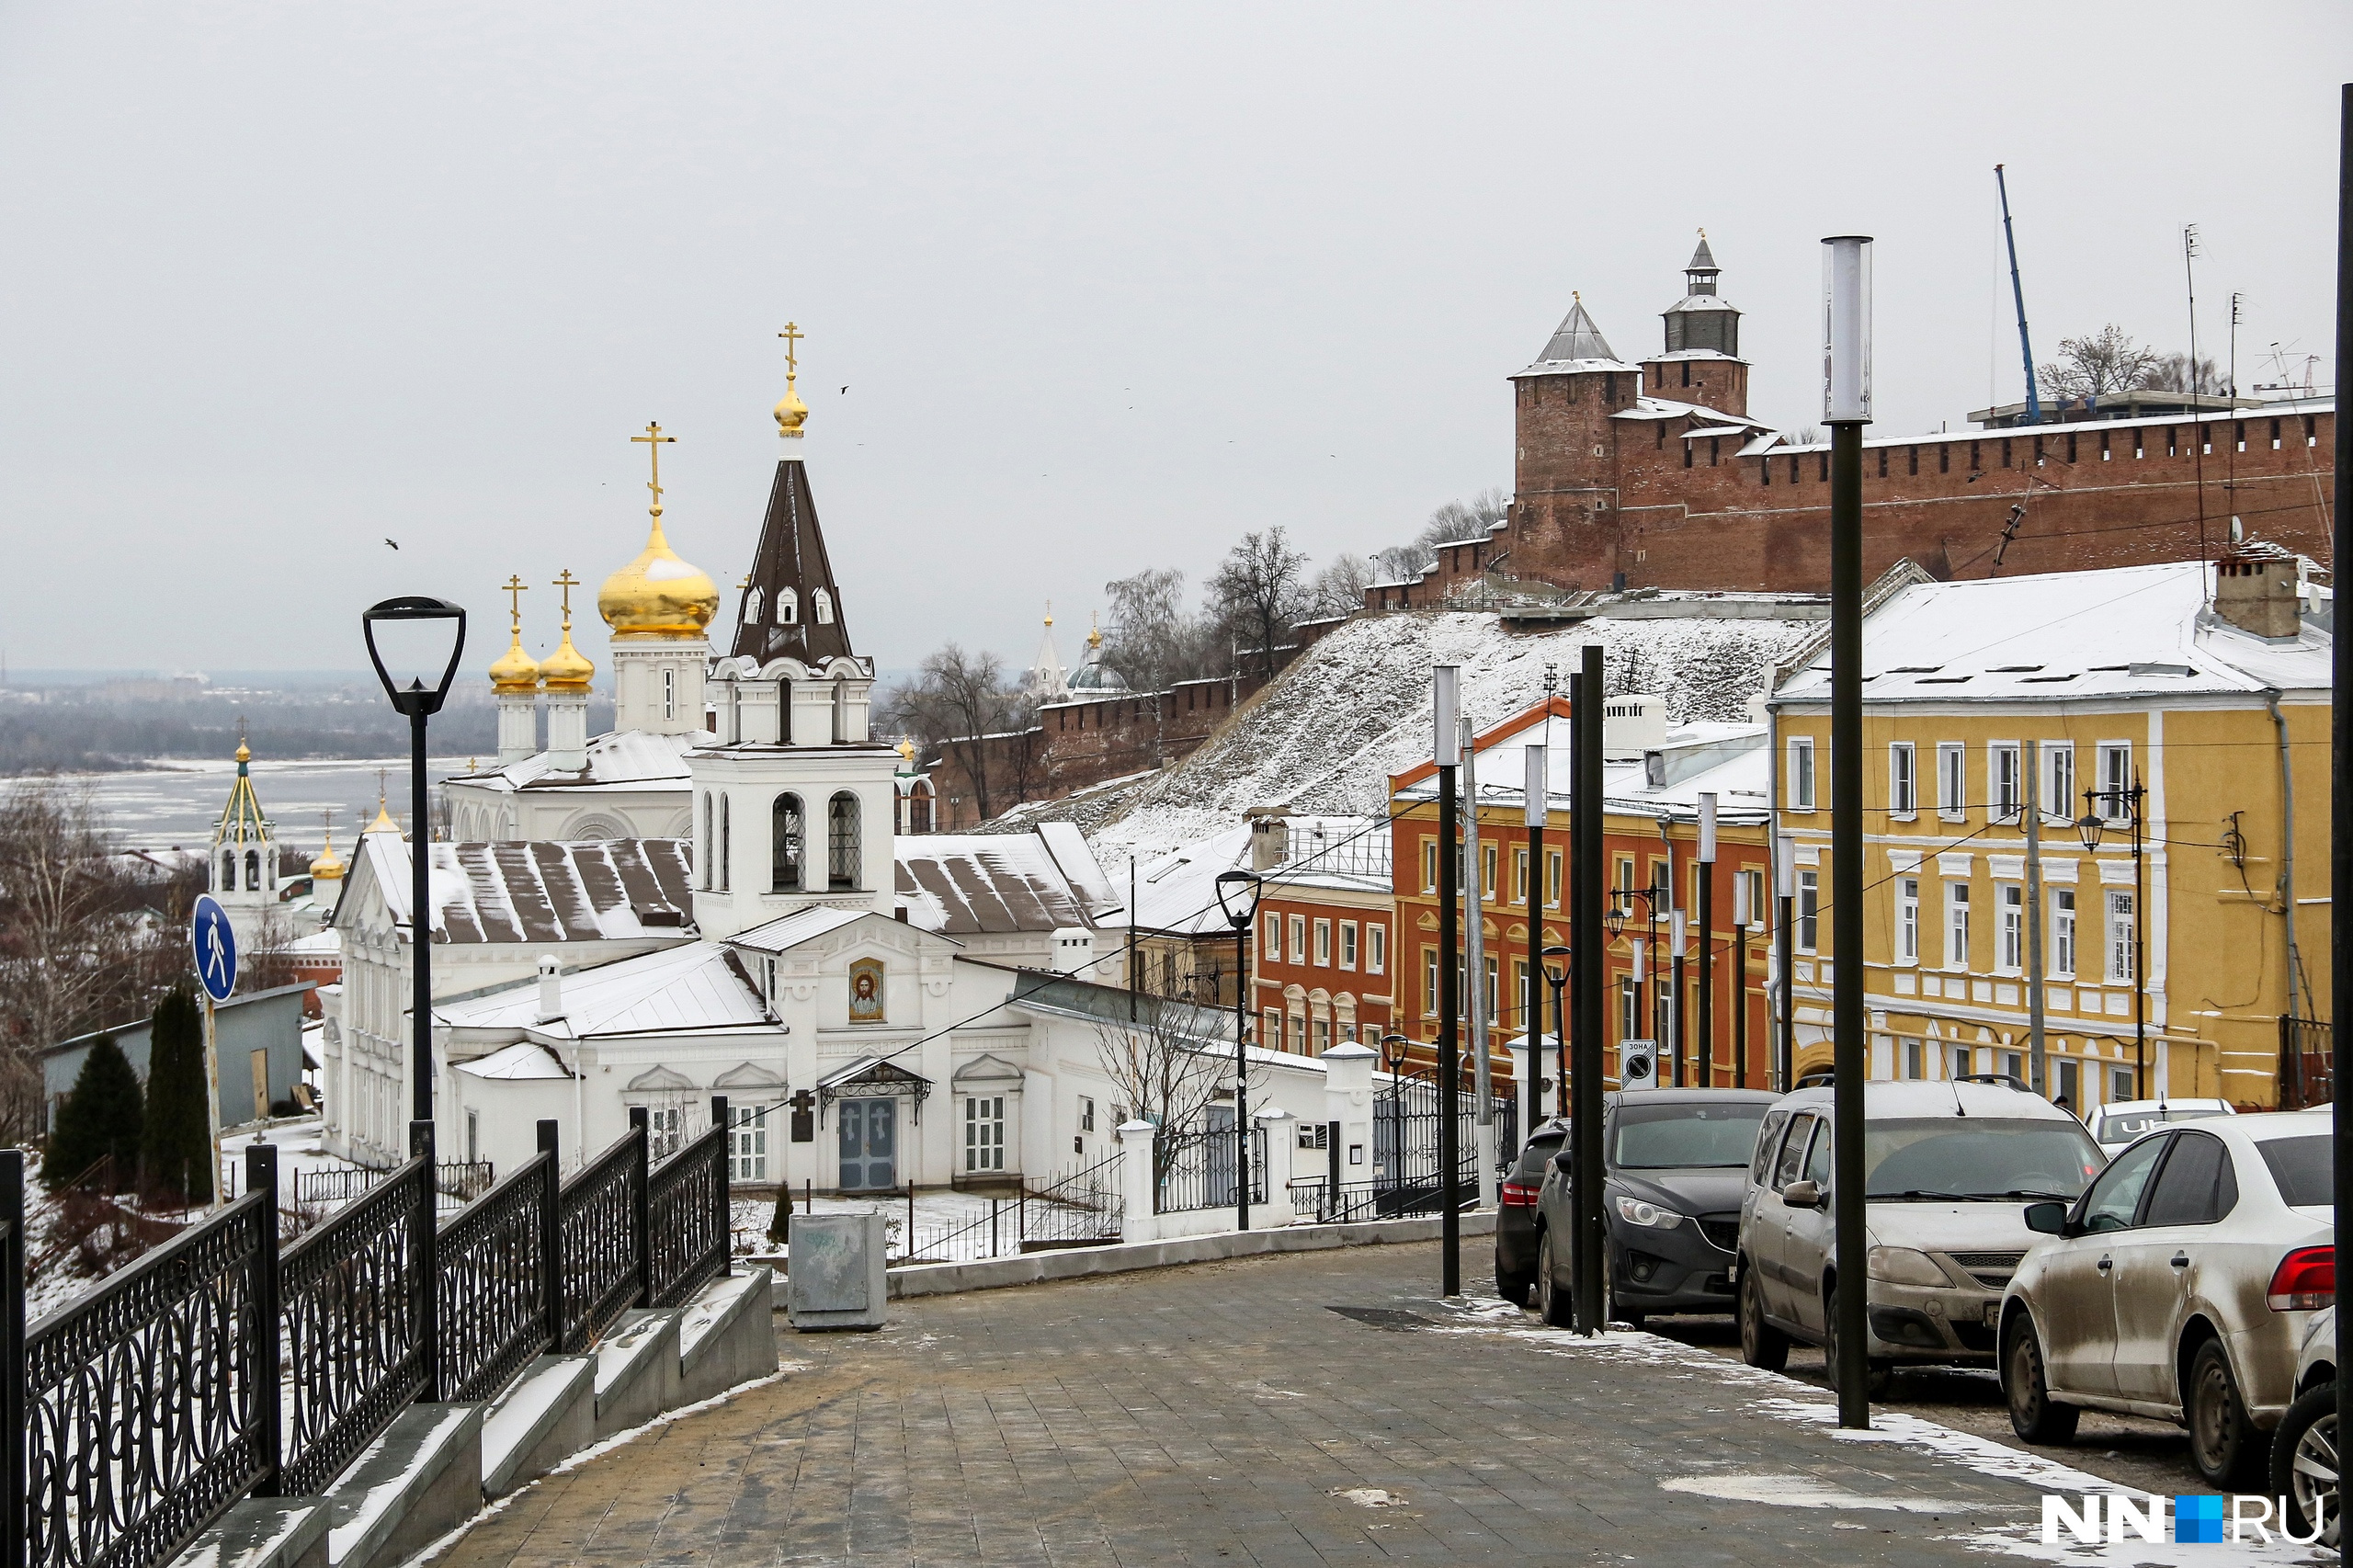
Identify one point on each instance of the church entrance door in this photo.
(869, 1145)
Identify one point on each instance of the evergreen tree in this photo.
(102, 1115)
(177, 1151)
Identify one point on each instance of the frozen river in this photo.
(178, 804)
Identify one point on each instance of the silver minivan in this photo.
(1947, 1167)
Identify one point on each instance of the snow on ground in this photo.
(1356, 706)
(298, 1140)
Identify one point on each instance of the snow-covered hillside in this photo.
(1356, 706)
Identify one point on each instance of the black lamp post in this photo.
(1237, 895)
(1557, 975)
(416, 635)
(2125, 801)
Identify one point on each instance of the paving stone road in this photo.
(1227, 1415)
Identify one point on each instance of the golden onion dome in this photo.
(383, 823)
(657, 594)
(514, 670)
(566, 670)
(328, 866)
(790, 412)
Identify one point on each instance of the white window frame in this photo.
(1271, 948)
(1808, 911)
(1348, 944)
(2004, 784)
(1952, 781)
(1907, 921)
(2010, 944)
(1322, 942)
(2058, 781)
(2116, 908)
(2062, 933)
(1272, 1037)
(748, 1145)
(2114, 778)
(1376, 947)
(1915, 1065)
(1802, 778)
(1902, 781)
(1299, 938)
(1957, 927)
(1430, 982)
(984, 1132)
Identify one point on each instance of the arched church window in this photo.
(919, 807)
(788, 608)
(785, 845)
(669, 694)
(841, 841)
(253, 871)
(726, 842)
(823, 604)
(229, 871)
(752, 607)
(703, 840)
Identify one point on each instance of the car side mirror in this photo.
(1565, 1163)
(2047, 1218)
(1802, 1195)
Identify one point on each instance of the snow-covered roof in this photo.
(697, 986)
(792, 930)
(1350, 854)
(1576, 345)
(2126, 633)
(541, 891)
(1669, 408)
(1740, 430)
(524, 1059)
(617, 759)
(1177, 893)
(1730, 760)
(959, 884)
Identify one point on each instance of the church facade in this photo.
(718, 898)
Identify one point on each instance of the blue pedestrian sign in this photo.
(216, 947)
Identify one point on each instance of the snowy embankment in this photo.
(1354, 708)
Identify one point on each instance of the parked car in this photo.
(2120, 1122)
(2179, 1286)
(1944, 1166)
(2303, 1448)
(1671, 1167)
(1515, 1203)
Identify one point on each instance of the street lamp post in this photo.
(1586, 921)
(1237, 895)
(1707, 859)
(413, 633)
(1556, 975)
(1785, 887)
(1446, 708)
(1847, 407)
(1679, 943)
(1536, 799)
(2126, 799)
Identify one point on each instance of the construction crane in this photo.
(2026, 348)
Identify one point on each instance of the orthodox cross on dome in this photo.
(791, 334)
(790, 412)
(654, 440)
(514, 589)
(567, 582)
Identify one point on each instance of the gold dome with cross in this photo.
(657, 594)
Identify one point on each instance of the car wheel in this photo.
(1551, 1302)
(1610, 1311)
(2034, 1417)
(1878, 1376)
(2304, 1463)
(2223, 1444)
(1513, 1287)
(1761, 1345)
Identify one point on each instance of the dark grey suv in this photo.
(1675, 1167)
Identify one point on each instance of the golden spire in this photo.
(1049, 612)
(328, 866)
(657, 594)
(383, 823)
(514, 670)
(791, 412)
(567, 669)
(1094, 632)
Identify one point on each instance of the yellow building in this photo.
(2195, 695)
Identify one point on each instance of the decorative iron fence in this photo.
(1082, 1209)
(597, 1221)
(457, 1181)
(349, 1326)
(1196, 1169)
(131, 1418)
(2307, 1063)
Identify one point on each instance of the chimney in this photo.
(2257, 588)
(1269, 837)
(550, 989)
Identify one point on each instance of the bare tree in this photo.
(1339, 588)
(1473, 517)
(1167, 1067)
(2174, 373)
(1257, 593)
(83, 945)
(1154, 640)
(2105, 361)
(957, 700)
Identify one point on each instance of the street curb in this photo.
(1080, 1262)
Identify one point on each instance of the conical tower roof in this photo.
(1576, 338)
(790, 606)
(1703, 259)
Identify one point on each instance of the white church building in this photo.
(718, 898)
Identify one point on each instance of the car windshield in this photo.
(1685, 1135)
(2123, 1126)
(2301, 1167)
(1977, 1157)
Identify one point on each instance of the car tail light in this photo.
(1519, 1194)
(2305, 1281)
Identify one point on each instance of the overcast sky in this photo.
(1107, 285)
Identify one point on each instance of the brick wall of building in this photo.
(1079, 743)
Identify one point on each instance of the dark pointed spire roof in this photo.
(1703, 259)
(792, 607)
(1576, 338)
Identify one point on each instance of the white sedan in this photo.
(2178, 1287)
(2121, 1123)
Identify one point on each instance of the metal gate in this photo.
(1406, 1169)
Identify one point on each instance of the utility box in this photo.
(834, 1271)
